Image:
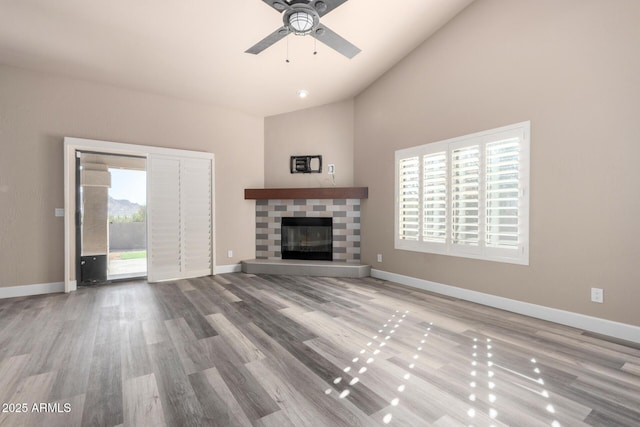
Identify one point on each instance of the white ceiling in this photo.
(194, 49)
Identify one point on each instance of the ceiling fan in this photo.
(302, 17)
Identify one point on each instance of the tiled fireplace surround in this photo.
(346, 224)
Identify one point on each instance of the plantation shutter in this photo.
(502, 181)
(465, 197)
(196, 217)
(409, 198)
(435, 197)
(506, 175)
(163, 218)
(179, 217)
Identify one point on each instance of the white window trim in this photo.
(513, 256)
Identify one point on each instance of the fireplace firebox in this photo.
(307, 238)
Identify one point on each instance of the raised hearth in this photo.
(306, 268)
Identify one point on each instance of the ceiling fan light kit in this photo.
(302, 17)
(301, 22)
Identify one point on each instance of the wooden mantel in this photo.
(307, 193)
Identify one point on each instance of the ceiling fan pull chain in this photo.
(287, 49)
(315, 46)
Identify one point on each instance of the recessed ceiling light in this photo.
(303, 93)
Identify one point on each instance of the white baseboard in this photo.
(594, 324)
(27, 290)
(231, 268)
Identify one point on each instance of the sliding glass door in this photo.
(179, 208)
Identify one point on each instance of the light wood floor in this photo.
(244, 350)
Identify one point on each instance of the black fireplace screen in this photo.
(307, 238)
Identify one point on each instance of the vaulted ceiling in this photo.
(194, 49)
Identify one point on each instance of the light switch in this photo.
(59, 212)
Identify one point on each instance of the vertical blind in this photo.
(466, 196)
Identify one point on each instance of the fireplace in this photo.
(307, 238)
(345, 214)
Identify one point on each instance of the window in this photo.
(466, 196)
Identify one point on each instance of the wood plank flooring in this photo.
(246, 350)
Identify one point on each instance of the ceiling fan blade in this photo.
(271, 39)
(334, 41)
(325, 6)
(278, 5)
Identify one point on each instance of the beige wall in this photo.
(571, 67)
(37, 111)
(326, 130)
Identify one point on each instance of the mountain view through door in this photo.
(127, 224)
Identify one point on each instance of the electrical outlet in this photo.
(597, 295)
(229, 253)
(379, 257)
(331, 169)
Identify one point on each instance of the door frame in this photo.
(71, 145)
